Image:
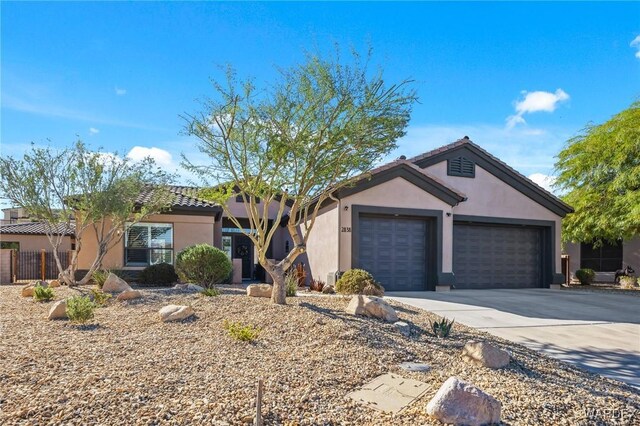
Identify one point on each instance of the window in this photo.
(226, 245)
(148, 244)
(10, 245)
(605, 258)
(461, 166)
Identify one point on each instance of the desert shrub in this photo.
(210, 292)
(100, 276)
(43, 294)
(316, 285)
(238, 331)
(441, 328)
(291, 284)
(80, 309)
(585, 276)
(357, 281)
(203, 264)
(628, 282)
(100, 298)
(161, 274)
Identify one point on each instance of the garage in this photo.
(497, 256)
(394, 251)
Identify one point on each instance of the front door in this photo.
(243, 249)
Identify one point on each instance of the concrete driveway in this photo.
(596, 331)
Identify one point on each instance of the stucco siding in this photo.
(397, 193)
(323, 246)
(631, 254)
(187, 230)
(490, 196)
(35, 242)
(5, 266)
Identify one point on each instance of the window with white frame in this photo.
(148, 244)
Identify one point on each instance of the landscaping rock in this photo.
(403, 328)
(54, 283)
(485, 354)
(115, 284)
(328, 289)
(175, 313)
(259, 290)
(129, 295)
(461, 403)
(58, 310)
(370, 306)
(27, 291)
(188, 288)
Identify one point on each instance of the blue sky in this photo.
(517, 78)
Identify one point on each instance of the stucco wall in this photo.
(35, 242)
(489, 196)
(322, 246)
(573, 250)
(187, 230)
(394, 193)
(5, 266)
(238, 209)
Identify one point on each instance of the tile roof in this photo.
(35, 228)
(184, 197)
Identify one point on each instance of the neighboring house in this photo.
(190, 220)
(452, 217)
(605, 259)
(31, 236)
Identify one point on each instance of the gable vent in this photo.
(461, 166)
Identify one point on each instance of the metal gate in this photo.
(37, 265)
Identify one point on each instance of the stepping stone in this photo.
(389, 393)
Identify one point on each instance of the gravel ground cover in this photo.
(127, 367)
(603, 288)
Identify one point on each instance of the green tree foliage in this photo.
(96, 190)
(310, 133)
(599, 170)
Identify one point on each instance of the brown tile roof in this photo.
(35, 228)
(184, 197)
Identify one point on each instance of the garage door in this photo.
(394, 251)
(496, 256)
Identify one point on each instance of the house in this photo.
(604, 259)
(190, 220)
(32, 236)
(455, 217)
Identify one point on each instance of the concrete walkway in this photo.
(596, 331)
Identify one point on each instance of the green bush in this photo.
(291, 284)
(100, 276)
(210, 292)
(162, 274)
(441, 328)
(203, 264)
(358, 281)
(585, 276)
(100, 298)
(245, 333)
(80, 309)
(43, 294)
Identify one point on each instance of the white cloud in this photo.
(120, 92)
(535, 102)
(636, 44)
(93, 130)
(543, 180)
(161, 157)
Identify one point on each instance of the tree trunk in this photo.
(279, 293)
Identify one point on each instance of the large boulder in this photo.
(129, 295)
(328, 289)
(461, 403)
(370, 306)
(485, 354)
(175, 313)
(58, 310)
(115, 284)
(27, 291)
(259, 290)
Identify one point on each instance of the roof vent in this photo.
(466, 137)
(402, 157)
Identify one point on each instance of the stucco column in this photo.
(217, 234)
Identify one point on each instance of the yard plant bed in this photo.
(127, 367)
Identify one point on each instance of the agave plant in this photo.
(441, 328)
